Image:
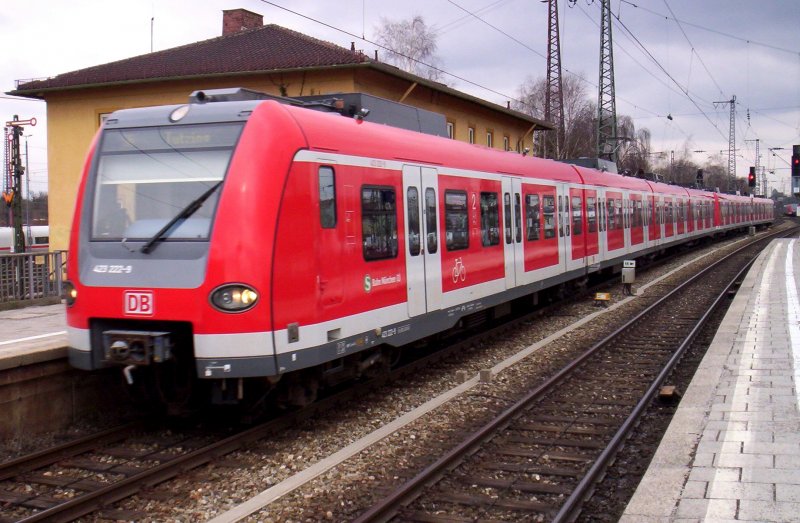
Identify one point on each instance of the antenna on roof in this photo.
(152, 19)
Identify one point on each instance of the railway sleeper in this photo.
(540, 427)
(479, 500)
(515, 484)
(525, 468)
(560, 442)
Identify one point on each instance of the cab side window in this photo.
(327, 197)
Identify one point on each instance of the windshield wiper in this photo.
(184, 214)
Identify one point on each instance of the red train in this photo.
(251, 244)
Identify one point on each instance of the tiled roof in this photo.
(266, 48)
(263, 49)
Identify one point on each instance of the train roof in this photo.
(607, 179)
(363, 138)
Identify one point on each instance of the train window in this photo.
(591, 213)
(456, 221)
(610, 214)
(507, 216)
(643, 210)
(601, 206)
(624, 214)
(490, 219)
(378, 223)
(144, 176)
(431, 232)
(532, 218)
(412, 204)
(600, 218)
(549, 211)
(517, 218)
(41, 240)
(327, 197)
(637, 213)
(577, 216)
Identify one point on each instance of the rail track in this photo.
(540, 459)
(79, 478)
(90, 474)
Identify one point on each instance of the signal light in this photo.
(751, 178)
(796, 165)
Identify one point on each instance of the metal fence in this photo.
(31, 276)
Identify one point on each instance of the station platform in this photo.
(32, 335)
(732, 451)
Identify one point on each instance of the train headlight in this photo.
(234, 298)
(70, 293)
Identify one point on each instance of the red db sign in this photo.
(139, 303)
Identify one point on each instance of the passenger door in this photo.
(512, 231)
(422, 245)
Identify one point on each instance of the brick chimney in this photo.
(235, 20)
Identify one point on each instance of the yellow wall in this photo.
(462, 113)
(73, 118)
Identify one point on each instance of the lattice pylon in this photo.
(606, 99)
(554, 98)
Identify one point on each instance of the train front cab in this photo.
(163, 266)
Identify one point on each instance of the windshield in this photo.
(146, 176)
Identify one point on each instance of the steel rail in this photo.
(385, 509)
(92, 501)
(42, 458)
(571, 507)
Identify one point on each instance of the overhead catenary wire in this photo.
(685, 91)
(694, 49)
(716, 31)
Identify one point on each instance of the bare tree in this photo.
(634, 147)
(579, 114)
(412, 46)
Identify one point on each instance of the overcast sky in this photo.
(715, 49)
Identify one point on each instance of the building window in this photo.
(506, 142)
(471, 135)
(489, 139)
(451, 130)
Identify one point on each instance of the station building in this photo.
(249, 54)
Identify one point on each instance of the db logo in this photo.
(139, 303)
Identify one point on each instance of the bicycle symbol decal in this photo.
(459, 271)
